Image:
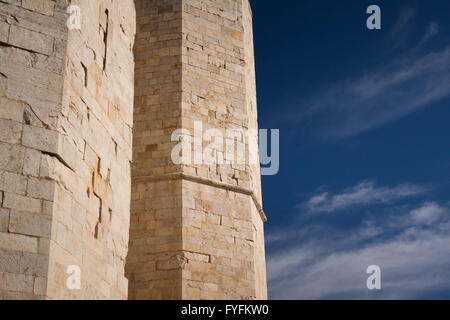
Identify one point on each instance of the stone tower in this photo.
(87, 117)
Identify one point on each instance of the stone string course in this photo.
(86, 177)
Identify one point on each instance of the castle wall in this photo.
(33, 41)
(91, 215)
(67, 106)
(71, 161)
(156, 206)
(197, 229)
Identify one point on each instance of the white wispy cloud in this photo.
(363, 194)
(413, 253)
(379, 95)
(431, 31)
(411, 244)
(403, 25)
(428, 214)
(410, 268)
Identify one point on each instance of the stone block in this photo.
(41, 189)
(30, 40)
(45, 7)
(11, 109)
(12, 157)
(102, 189)
(18, 202)
(10, 261)
(10, 131)
(4, 32)
(40, 139)
(19, 282)
(4, 220)
(40, 286)
(34, 264)
(12, 182)
(17, 242)
(29, 224)
(32, 162)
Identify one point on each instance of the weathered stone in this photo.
(40, 286)
(12, 157)
(4, 31)
(41, 189)
(197, 225)
(33, 264)
(19, 282)
(40, 139)
(10, 261)
(11, 109)
(41, 6)
(17, 242)
(10, 131)
(12, 182)
(30, 40)
(29, 224)
(4, 219)
(18, 202)
(32, 162)
(76, 108)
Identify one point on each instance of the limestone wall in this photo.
(156, 207)
(67, 106)
(91, 217)
(33, 39)
(196, 229)
(219, 90)
(71, 161)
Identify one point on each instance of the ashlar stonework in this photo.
(86, 176)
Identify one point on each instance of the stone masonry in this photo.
(86, 176)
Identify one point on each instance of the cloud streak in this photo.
(431, 31)
(411, 244)
(363, 194)
(380, 95)
(409, 269)
(403, 25)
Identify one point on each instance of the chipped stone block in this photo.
(69, 153)
(102, 189)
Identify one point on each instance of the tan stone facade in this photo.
(85, 131)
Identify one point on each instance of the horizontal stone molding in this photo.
(209, 182)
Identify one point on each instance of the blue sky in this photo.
(365, 158)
